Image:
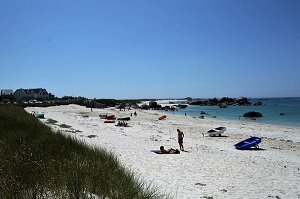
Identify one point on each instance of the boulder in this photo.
(154, 105)
(144, 106)
(242, 101)
(182, 106)
(252, 114)
(198, 102)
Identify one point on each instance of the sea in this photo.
(276, 111)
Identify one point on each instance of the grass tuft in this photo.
(51, 121)
(64, 126)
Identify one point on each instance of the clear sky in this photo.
(128, 49)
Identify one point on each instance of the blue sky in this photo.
(151, 49)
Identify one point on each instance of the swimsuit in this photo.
(180, 138)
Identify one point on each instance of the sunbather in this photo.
(168, 151)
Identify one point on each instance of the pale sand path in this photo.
(211, 167)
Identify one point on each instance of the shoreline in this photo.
(211, 167)
(292, 133)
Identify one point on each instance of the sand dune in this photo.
(210, 167)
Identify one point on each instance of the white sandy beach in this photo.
(211, 167)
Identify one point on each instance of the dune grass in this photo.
(38, 163)
(64, 126)
(51, 121)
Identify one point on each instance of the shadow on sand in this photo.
(222, 136)
(252, 149)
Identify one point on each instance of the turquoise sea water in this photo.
(271, 109)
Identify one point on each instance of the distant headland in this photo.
(42, 98)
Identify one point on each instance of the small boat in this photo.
(216, 131)
(39, 115)
(248, 143)
(103, 116)
(162, 117)
(109, 121)
(124, 118)
(110, 117)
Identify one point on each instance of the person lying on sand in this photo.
(169, 151)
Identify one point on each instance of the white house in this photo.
(7, 93)
(29, 94)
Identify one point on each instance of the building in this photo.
(31, 94)
(7, 93)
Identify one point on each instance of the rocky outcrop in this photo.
(182, 106)
(223, 102)
(154, 105)
(198, 102)
(144, 106)
(242, 101)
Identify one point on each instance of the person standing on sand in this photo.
(180, 139)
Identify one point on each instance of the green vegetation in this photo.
(38, 163)
(51, 121)
(92, 136)
(114, 102)
(64, 126)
